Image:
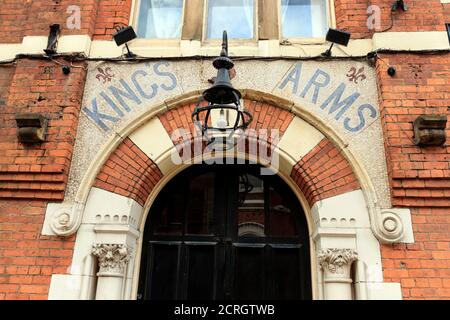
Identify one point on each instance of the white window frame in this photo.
(247, 41)
(331, 19)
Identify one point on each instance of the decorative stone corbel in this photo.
(62, 219)
(393, 225)
(336, 265)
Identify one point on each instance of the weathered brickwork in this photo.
(324, 173)
(20, 18)
(33, 175)
(422, 268)
(110, 14)
(419, 177)
(28, 259)
(13, 16)
(129, 172)
(39, 171)
(353, 16)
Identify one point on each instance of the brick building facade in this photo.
(34, 178)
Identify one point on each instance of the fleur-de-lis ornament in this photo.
(354, 76)
(106, 75)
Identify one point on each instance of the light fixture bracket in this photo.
(399, 5)
(222, 96)
(336, 36)
(52, 41)
(123, 36)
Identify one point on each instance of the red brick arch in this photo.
(322, 173)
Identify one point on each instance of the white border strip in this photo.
(408, 41)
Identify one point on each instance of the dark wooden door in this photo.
(225, 232)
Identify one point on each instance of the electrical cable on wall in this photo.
(80, 57)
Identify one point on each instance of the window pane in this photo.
(304, 18)
(200, 208)
(234, 16)
(282, 220)
(160, 19)
(251, 217)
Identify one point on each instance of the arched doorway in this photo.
(225, 232)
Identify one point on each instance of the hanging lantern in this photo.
(224, 104)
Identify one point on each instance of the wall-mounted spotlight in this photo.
(123, 36)
(338, 37)
(399, 5)
(52, 39)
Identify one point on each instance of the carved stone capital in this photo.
(112, 258)
(337, 261)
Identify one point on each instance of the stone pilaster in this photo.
(112, 261)
(336, 265)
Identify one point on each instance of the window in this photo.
(234, 16)
(242, 19)
(304, 18)
(160, 19)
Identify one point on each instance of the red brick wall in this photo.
(324, 173)
(19, 18)
(13, 16)
(28, 259)
(129, 172)
(33, 175)
(422, 268)
(351, 15)
(40, 171)
(110, 13)
(421, 16)
(419, 177)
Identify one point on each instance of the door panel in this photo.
(285, 273)
(201, 272)
(249, 273)
(163, 271)
(225, 232)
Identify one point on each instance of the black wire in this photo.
(79, 57)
